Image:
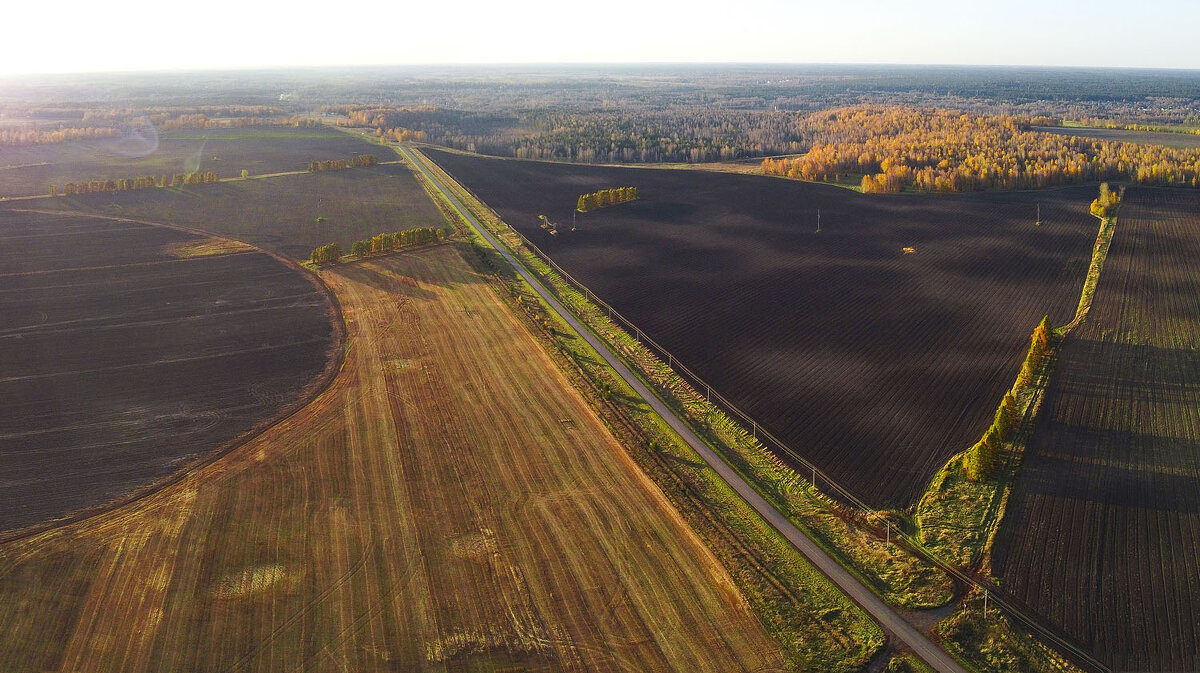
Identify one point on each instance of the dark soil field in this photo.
(1102, 533)
(876, 364)
(121, 361)
(1182, 141)
(280, 213)
(30, 169)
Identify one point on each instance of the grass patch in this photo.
(907, 663)
(208, 247)
(995, 644)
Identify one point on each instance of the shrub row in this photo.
(338, 164)
(606, 197)
(379, 244)
(980, 461)
(143, 182)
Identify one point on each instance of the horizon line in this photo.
(185, 70)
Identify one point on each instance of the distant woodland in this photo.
(889, 128)
(51, 124)
(898, 148)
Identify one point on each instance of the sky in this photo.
(90, 36)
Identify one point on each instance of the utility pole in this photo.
(818, 220)
(1039, 215)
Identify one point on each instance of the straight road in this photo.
(891, 621)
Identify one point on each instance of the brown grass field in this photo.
(449, 503)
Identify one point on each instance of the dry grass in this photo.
(449, 503)
(206, 247)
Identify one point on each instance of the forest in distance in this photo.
(631, 114)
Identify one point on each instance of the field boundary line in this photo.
(311, 392)
(851, 585)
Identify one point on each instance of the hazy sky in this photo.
(83, 36)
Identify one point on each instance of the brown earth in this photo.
(121, 362)
(1102, 532)
(875, 363)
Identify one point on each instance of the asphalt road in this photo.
(891, 621)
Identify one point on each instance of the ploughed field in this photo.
(449, 503)
(1102, 533)
(27, 170)
(876, 364)
(288, 214)
(122, 358)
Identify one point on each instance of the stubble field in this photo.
(449, 503)
(1182, 141)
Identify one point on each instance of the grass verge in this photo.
(994, 643)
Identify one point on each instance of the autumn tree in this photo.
(326, 253)
(896, 148)
(1107, 204)
(605, 197)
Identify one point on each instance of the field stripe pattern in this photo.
(120, 362)
(449, 503)
(876, 364)
(1102, 533)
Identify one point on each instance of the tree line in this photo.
(93, 123)
(202, 121)
(30, 135)
(979, 463)
(896, 147)
(400, 134)
(606, 197)
(379, 244)
(143, 182)
(339, 164)
(689, 132)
